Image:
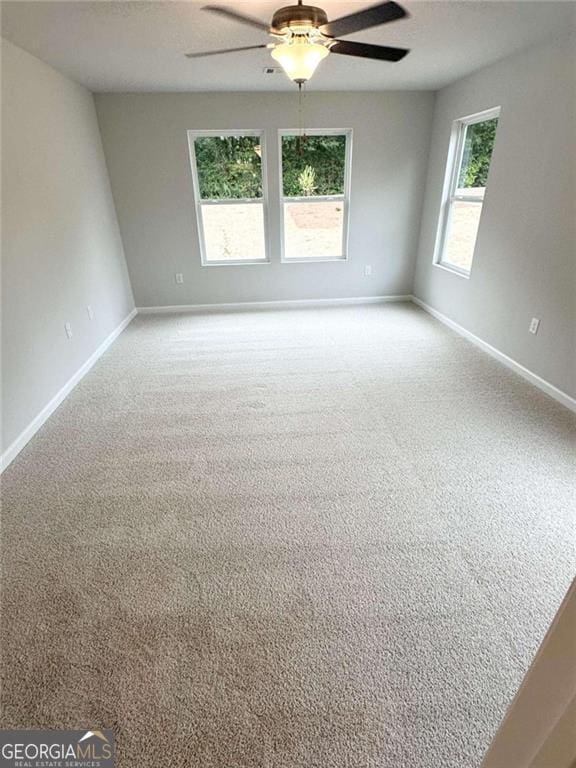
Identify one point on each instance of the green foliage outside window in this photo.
(320, 158)
(229, 167)
(478, 147)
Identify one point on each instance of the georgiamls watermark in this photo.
(57, 749)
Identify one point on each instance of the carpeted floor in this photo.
(297, 539)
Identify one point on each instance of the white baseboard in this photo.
(255, 305)
(27, 434)
(533, 378)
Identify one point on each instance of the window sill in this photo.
(316, 260)
(452, 270)
(235, 263)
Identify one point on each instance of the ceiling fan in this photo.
(304, 36)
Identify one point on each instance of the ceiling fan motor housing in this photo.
(297, 17)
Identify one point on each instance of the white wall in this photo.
(61, 247)
(144, 138)
(525, 259)
(538, 730)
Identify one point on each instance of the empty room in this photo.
(288, 445)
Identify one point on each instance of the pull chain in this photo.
(300, 121)
(301, 128)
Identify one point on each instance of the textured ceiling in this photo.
(140, 46)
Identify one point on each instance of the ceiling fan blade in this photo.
(223, 50)
(370, 17)
(365, 51)
(235, 16)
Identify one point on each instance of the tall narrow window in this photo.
(315, 178)
(230, 192)
(471, 148)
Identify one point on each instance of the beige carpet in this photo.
(298, 539)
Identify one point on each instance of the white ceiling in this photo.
(140, 46)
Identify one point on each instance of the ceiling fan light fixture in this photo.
(303, 36)
(299, 57)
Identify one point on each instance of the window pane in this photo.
(229, 167)
(478, 146)
(313, 165)
(461, 237)
(233, 232)
(461, 228)
(313, 230)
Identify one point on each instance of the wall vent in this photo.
(271, 70)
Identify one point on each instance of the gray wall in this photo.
(525, 259)
(61, 247)
(144, 138)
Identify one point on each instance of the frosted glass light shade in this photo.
(299, 58)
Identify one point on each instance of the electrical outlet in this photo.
(534, 325)
(367, 270)
(68, 329)
(179, 277)
(89, 312)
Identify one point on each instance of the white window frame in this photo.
(344, 198)
(449, 196)
(198, 202)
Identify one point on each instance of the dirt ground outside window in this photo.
(235, 232)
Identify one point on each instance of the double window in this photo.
(471, 145)
(229, 177)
